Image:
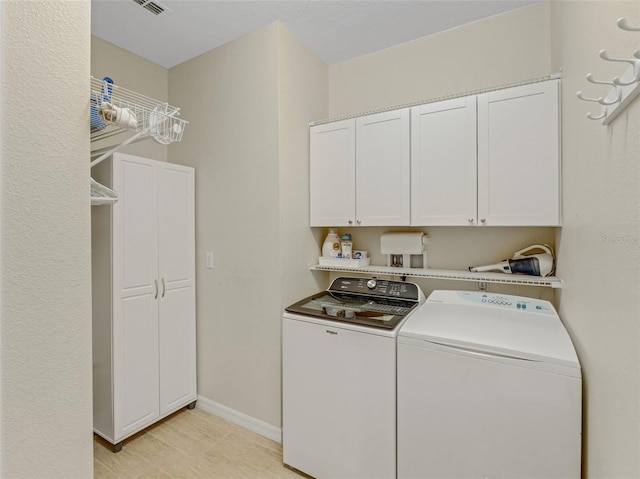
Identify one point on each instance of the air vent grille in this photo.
(154, 7)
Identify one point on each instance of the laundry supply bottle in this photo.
(346, 245)
(331, 245)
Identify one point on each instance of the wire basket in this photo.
(115, 109)
(101, 195)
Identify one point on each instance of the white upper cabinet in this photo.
(383, 173)
(443, 163)
(332, 173)
(488, 160)
(519, 156)
(360, 171)
(500, 167)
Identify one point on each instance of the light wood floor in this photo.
(192, 444)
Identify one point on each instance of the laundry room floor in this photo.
(192, 444)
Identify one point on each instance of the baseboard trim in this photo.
(241, 419)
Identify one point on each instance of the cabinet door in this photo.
(383, 195)
(519, 156)
(135, 305)
(177, 321)
(339, 401)
(332, 174)
(443, 163)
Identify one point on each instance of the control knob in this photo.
(371, 284)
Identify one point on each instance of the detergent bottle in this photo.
(331, 246)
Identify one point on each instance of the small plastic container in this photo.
(346, 245)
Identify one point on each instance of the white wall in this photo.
(45, 408)
(249, 103)
(598, 252)
(500, 50)
(303, 81)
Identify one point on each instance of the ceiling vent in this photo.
(154, 7)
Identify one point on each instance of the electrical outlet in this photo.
(209, 260)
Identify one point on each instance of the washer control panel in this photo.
(376, 288)
(505, 301)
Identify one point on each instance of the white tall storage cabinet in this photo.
(144, 337)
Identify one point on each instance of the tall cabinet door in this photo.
(135, 305)
(519, 156)
(383, 169)
(443, 163)
(177, 321)
(332, 173)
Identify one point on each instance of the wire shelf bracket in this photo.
(101, 195)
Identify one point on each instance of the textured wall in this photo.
(45, 408)
(599, 258)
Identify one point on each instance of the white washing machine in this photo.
(339, 378)
(489, 386)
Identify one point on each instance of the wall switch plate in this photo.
(209, 260)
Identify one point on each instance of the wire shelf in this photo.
(451, 275)
(101, 195)
(115, 109)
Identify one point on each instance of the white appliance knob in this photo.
(371, 283)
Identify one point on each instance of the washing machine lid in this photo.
(502, 325)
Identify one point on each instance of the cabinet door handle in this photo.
(358, 221)
(164, 289)
(155, 281)
(470, 220)
(483, 220)
(350, 222)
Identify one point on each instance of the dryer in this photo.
(489, 386)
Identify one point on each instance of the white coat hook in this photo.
(634, 72)
(616, 92)
(589, 78)
(605, 56)
(581, 97)
(591, 117)
(617, 97)
(622, 24)
(635, 79)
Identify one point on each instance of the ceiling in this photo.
(336, 30)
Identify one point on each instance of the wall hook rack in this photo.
(623, 88)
